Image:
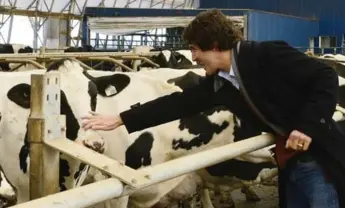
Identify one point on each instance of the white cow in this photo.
(14, 146)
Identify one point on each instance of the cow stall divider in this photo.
(39, 60)
(47, 138)
(21, 62)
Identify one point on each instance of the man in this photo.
(276, 88)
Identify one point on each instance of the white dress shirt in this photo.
(230, 76)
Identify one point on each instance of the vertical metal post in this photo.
(44, 123)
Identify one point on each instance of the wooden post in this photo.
(135, 62)
(139, 50)
(42, 52)
(44, 124)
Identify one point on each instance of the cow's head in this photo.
(14, 145)
(21, 48)
(8, 193)
(81, 96)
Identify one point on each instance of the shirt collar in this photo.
(231, 73)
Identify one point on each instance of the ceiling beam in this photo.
(34, 13)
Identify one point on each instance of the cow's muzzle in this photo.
(92, 140)
(8, 200)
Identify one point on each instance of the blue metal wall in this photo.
(261, 25)
(331, 13)
(266, 5)
(141, 12)
(269, 26)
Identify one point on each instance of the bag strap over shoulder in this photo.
(234, 56)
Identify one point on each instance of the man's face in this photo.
(206, 58)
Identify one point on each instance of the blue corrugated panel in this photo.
(268, 26)
(266, 5)
(302, 8)
(331, 13)
(146, 12)
(213, 4)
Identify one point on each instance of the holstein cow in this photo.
(151, 146)
(216, 127)
(134, 150)
(175, 59)
(13, 49)
(191, 78)
(96, 64)
(14, 145)
(246, 167)
(195, 134)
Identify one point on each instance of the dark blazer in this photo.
(291, 90)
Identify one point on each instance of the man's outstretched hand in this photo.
(97, 121)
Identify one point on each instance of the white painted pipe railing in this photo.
(94, 193)
(91, 194)
(186, 164)
(111, 188)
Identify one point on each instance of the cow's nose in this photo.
(8, 200)
(92, 140)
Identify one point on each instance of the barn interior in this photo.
(112, 37)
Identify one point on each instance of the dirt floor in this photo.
(268, 195)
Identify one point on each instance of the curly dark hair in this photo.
(211, 29)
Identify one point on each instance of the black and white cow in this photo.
(13, 49)
(174, 59)
(96, 64)
(120, 91)
(237, 173)
(14, 145)
(216, 127)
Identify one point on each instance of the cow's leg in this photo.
(268, 177)
(188, 203)
(205, 198)
(225, 198)
(264, 176)
(250, 193)
(95, 175)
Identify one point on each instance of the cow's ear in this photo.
(190, 79)
(112, 85)
(20, 94)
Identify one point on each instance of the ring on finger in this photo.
(300, 146)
